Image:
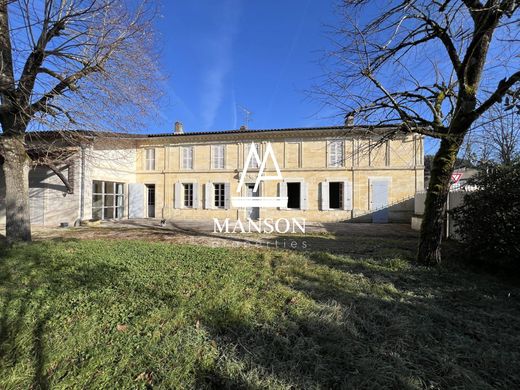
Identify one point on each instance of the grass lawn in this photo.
(130, 314)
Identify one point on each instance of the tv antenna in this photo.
(247, 115)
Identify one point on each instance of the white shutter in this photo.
(208, 204)
(217, 157)
(304, 187)
(340, 158)
(324, 195)
(187, 157)
(332, 154)
(282, 188)
(336, 153)
(214, 150)
(195, 195)
(226, 196)
(149, 159)
(347, 195)
(178, 195)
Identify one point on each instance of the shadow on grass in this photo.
(325, 321)
(26, 287)
(436, 330)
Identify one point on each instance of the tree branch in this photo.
(503, 87)
(57, 172)
(444, 37)
(67, 83)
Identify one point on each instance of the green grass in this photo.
(126, 314)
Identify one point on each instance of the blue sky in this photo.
(219, 55)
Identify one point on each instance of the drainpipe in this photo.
(164, 174)
(82, 186)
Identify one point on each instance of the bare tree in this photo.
(428, 66)
(67, 65)
(498, 137)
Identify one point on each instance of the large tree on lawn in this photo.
(432, 67)
(67, 64)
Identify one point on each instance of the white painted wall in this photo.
(106, 160)
(109, 160)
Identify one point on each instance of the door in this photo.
(150, 200)
(36, 199)
(379, 201)
(252, 212)
(136, 200)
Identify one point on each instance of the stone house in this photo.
(337, 173)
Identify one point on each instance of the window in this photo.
(188, 195)
(253, 163)
(187, 157)
(219, 195)
(293, 195)
(336, 157)
(150, 159)
(218, 156)
(336, 195)
(107, 200)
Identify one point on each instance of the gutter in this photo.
(82, 186)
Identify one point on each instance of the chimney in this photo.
(178, 128)
(349, 119)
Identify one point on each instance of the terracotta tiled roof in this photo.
(86, 133)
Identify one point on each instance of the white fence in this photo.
(455, 199)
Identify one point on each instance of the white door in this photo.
(379, 189)
(36, 204)
(252, 212)
(135, 200)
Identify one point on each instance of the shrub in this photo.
(489, 220)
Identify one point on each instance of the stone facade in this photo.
(303, 156)
(333, 174)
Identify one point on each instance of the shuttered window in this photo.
(336, 195)
(336, 155)
(220, 195)
(218, 156)
(294, 195)
(150, 159)
(188, 195)
(187, 157)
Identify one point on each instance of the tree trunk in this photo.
(16, 172)
(429, 252)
